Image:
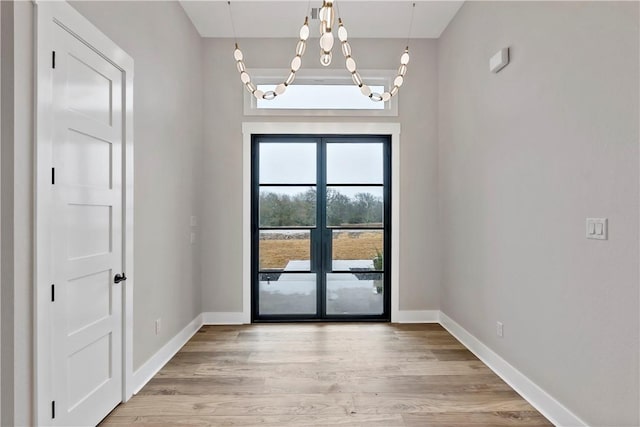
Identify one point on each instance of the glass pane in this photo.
(357, 250)
(282, 293)
(287, 206)
(321, 97)
(355, 206)
(287, 163)
(355, 163)
(357, 293)
(288, 250)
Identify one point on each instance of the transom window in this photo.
(321, 93)
(320, 97)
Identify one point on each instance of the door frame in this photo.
(319, 128)
(63, 14)
(318, 245)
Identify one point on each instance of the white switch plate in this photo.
(597, 228)
(194, 221)
(193, 238)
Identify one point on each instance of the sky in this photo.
(295, 163)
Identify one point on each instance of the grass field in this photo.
(278, 250)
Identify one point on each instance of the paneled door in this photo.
(320, 228)
(80, 218)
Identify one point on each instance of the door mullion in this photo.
(320, 222)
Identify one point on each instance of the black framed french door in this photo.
(320, 223)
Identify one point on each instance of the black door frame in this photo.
(321, 245)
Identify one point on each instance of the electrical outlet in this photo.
(500, 329)
(157, 326)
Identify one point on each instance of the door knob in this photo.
(119, 278)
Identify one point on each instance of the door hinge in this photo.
(53, 176)
(53, 409)
(53, 293)
(53, 59)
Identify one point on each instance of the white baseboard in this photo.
(531, 392)
(151, 367)
(416, 316)
(223, 318)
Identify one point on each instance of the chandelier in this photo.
(327, 17)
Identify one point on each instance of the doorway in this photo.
(320, 226)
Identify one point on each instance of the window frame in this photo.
(319, 76)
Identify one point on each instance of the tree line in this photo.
(283, 210)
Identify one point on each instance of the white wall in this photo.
(525, 156)
(222, 211)
(17, 213)
(1, 139)
(167, 54)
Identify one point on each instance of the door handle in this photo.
(119, 278)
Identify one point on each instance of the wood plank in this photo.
(477, 419)
(263, 421)
(355, 374)
(376, 403)
(232, 404)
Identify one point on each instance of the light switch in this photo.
(597, 228)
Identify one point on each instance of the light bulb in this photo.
(386, 96)
(330, 17)
(357, 79)
(342, 33)
(325, 59)
(326, 42)
(245, 77)
(404, 59)
(351, 64)
(402, 70)
(304, 32)
(258, 94)
(280, 89)
(346, 49)
(366, 90)
(398, 81)
(240, 66)
(237, 54)
(269, 95)
(290, 79)
(301, 47)
(296, 63)
(322, 14)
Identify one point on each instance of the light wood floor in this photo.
(326, 374)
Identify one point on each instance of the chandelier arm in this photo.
(350, 63)
(296, 63)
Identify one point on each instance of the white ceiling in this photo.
(363, 19)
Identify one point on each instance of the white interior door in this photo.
(86, 226)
